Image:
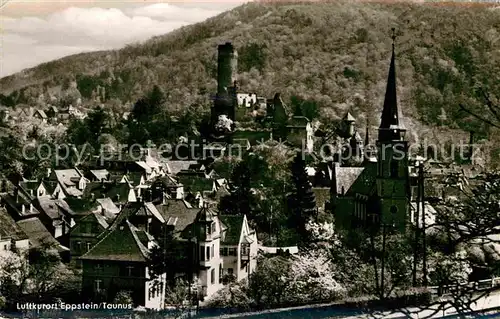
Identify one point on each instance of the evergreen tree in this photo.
(240, 198)
(302, 202)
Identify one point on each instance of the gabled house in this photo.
(38, 235)
(11, 235)
(83, 236)
(167, 185)
(174, 167)
(207, 237)
(52, 112)
(98, 175)
(196, 170)
(143, 215)
(34, 188)
(19, 204)
(119, 262)
(33, 113)
(195, 187)
(117, 177)
(136, 179)
(40, 115)
(56, 215)
(238, 247)
(71, 182)
(118, 193)
(107, 208)
(300, 132)
(149, 172)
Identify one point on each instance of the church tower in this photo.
(392, 158)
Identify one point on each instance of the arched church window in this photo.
(394, 168)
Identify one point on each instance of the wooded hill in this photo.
(336, 54)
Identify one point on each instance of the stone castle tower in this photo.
(227, 70)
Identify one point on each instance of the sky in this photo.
(37, 31)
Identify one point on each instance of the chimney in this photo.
(48, 172)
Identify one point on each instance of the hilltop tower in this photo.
(392, 172)
(227, 69)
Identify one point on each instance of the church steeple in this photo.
(391, 127)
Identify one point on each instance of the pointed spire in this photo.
(390, 126)
(348, 117)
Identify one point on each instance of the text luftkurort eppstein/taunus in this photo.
(72, 307)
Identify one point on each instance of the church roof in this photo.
(345, 177)
(391, 115)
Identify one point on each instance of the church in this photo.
(377, 192)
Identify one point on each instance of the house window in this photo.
(130, 270)
(220, 273)
(224, 251)
(202, 253)
(213, 227)
(245, 249)
(213, 251)
(79, 245)
(212, 276)
(89, 245)
(208, 253)
(232, 251)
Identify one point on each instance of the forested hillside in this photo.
(336, 54)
